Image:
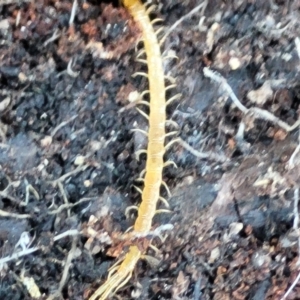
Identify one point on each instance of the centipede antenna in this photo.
(177, 140)
(138, 189)
(150, 9)
(140, 130)
(139, 74)
(171, 86)
(164, 201)
(143, 102)
(177, 96)
(129, 209)
(157, 20)
(170, 163)
(142, 113)
(139, 152)
(167, 188)
(171, 133)
(172, 123)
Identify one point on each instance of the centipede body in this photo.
(120, 274)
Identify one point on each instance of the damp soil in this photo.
(67, 151)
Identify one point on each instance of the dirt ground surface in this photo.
(68, 162)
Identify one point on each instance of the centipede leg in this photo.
(146, 92)
(143, 102)
(139, 152)
(171, 133)
(167, 188)
(158, 31)
(128, 229)
(171, 86)
(172, 123)
(140, 179)
(142, 61)
(172, 143)
(165, 202)
(140, 130)
(170, 163)
(142, 174)
(129, 209)
(170, 56)
(162, 211)
(177, 96)
(140, 74)
(138, 189)
(150, 9)
(155, 249)
(142, 113)
(157, 20)
(140, 53)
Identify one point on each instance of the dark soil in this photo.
(67, 152)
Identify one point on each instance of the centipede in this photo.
(122, 271)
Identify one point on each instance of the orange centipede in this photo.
(120, 273)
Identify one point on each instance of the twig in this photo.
(70, 71)
(56, 34)
(297, 43)
(295, 211)
(291, 287)
(296, 228)
(3, 2)
(292, 158)
(68, 264)
(73, 12)
(203, 155)
(187, 16)
(257, 112)
(29, 189)
(13, 215)
(215, 76)
(70, 205)
(62, 124)
(62, 191)
(65, 176)
(71, 232)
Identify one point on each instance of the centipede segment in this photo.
(121, 273)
